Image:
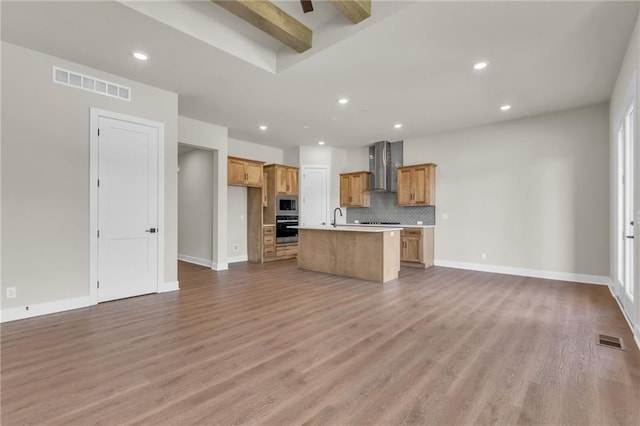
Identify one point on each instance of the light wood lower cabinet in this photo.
(416, 247)
(269, 240)
(273, 251)
(288, 250)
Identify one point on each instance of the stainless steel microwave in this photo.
(286, 205)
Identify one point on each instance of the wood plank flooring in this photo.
(270, 344)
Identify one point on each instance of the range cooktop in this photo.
(380, 223)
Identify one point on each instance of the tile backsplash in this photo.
(384, 209)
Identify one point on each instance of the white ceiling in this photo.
(411, 62)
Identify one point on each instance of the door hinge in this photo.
(98, 234)
(98, 284)
(98, 182)
(98, 132)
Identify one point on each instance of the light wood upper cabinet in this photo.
(417, 185)
(286, 180)
(243, 172)
(354, 189)
(254, 173)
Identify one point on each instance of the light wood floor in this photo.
(269, 344)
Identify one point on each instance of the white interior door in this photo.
(625, 268)
(314, 196)
(127, 209)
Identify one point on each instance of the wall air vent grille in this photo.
(91, 84)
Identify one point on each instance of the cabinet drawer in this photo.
(286, 250)
(268, 230)
(269, 251)
(409, 232)
(268, 240)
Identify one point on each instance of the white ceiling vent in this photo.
(92, 84)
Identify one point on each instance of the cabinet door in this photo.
(404, 187)
(292, 179)
(419, 185)
(344, 191)
(411, 249)
(254, 174)
(356, 190)
(236, 172)
(281, 180)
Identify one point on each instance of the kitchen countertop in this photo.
(352, 228)
(388, 226)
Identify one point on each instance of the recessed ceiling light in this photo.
(140, 55)
(263, 127)
(320, 142)
(397, 125)
(480, 65)
(306, 126)
(343, 101)
(505, 107)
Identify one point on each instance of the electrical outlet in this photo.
(445, 216)
(241, 217)
(483, 256)
(356, 221)
(236, 247)
(419, 222)
(11, 292)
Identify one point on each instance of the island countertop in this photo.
(351, 228)
(379, 225)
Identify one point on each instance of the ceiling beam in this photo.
(274, 21)
(356, 10)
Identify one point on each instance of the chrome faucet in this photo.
(335, 223)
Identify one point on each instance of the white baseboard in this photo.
(236, 259)
(634, 330)
(195, 260)
(168, 286)
(22, 312)
(208, 263)
(219, 266)
(534, 273)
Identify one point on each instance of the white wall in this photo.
(195, 205)
(629, 74)
(530, 193)
(357, 160)
(237, 223)
(253, 151)
(291, 157)
(45, 177)
(210, 136)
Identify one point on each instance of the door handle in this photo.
(151, 230)
(629, 236)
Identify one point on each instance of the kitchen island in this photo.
(369, 253)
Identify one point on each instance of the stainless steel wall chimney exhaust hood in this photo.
(384, 158)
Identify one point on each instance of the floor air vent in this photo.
(610, 341)
(91, 84)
